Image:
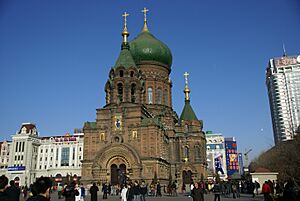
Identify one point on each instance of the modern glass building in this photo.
(283, 83)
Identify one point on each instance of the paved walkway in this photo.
(209, 197)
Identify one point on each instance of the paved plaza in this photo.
(209, 197)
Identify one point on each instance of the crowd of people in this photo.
(139, 190)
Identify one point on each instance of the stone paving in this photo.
(209, 197)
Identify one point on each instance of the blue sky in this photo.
(55, 57)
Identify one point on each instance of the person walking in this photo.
(42, 189)
(3, 186)
(136, 191)
(144, 191)
(82, 189)
(266, 190)
(105, 190)
(13, 191)
(70, 192)
(197, 193)
(124, 193)
(94, 191)
(217, 191)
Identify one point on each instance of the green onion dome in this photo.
(145, 47)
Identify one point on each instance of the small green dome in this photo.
(145, 47)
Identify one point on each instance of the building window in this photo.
(133, 89)
(159, 96)
(120, 92)
(131, 73)
(134, 134)
(121, 73)
(65, 154)
(73, 153)
(57, 154)
(150, 96)
(197, 153)
(20, 146)
(166, 97)
(186, 153)
(102, 138)
(23, 145)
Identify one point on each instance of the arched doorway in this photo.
(117, 174)
(187, 177)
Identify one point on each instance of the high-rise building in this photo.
(283, 83)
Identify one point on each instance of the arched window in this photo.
(165, 97)
(133, 89)
(159, 96)
(186, 153)
(150, 96)
(120, 92)
(102, 137)
(186, 128)
(197, 153)
(131, 73)
(134, 134)
(121, 73)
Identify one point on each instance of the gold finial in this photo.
(186, 89)
(145, 28)
(125, 33)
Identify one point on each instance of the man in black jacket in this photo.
(42, 188)
(3, 186)
(70, 192)
(13, 191)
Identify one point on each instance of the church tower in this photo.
(134, 135)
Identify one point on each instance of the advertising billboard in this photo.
(232, 162)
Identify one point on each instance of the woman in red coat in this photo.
(266, 190)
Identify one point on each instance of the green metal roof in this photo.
(125, 58)
(188, 113)
(145, 47)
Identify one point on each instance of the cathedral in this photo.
(137, 135)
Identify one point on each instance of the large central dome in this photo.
(145, 47)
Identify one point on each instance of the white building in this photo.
(4, 156)
(29, 156)
(216, 155)
(283, 83)
(60, 156)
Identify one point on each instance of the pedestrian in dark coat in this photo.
(42, 189)
(93, 191)
(197, 193)
(217, 191)
(3, 186)
(70, 192)
(105, 190)
(13, 191)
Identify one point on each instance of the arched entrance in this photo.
(187, 177)
(117, 174)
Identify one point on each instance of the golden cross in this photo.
(125, 15)
(145, 10)
(186, 77)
